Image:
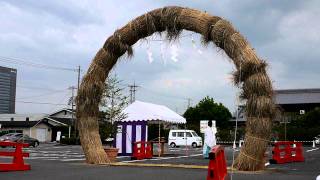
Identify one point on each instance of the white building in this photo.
(43, 127)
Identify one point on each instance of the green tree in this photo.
(210, 110)
(112, 104)
(304, 127)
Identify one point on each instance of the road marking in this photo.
(164, 165)
(134, 160)
(120, 157)
(56, 158)
(67, 160)
(312, 150)
(267, 164)
(163, 158)
(160, 165)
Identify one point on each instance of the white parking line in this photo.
(312, 150)
(67, 160)
(43, 158)
(120, 157)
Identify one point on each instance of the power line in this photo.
(32, 102)
(32, 64)
(45, 94)
(38, 88)
(165, 95)
(46, 103)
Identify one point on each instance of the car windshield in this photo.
(195, 134)
(8, 135)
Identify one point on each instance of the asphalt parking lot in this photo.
(51, 161)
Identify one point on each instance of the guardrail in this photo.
(17, 162)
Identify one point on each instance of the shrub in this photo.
(70, 141)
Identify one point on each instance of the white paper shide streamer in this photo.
(149, 52)
(174, 53)
(195, 46)
(162, 46)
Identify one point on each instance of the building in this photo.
(43, 127)
(8, 77)
(28, 124)
(297, 101)
(291, 102)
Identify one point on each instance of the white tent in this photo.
(142, 111)
(134, 127)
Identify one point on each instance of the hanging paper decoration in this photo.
(162, 53)
(174, 53)
(195, 46)
(149, 52)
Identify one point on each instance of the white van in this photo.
(184, 137)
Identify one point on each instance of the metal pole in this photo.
(285, 130)
(185, 133)
(79, 70)
(72, 104)
(76, 123)
(159, 148)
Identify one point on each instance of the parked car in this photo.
(9, 136)
(317, 139)
(184, 137)
(21, 138)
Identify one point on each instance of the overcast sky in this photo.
(68, 33)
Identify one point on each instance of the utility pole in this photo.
(75, 120)
(185, 127)
(133, 92)
(71, 101)
(189, 102)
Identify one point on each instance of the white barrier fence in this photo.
(241, 142)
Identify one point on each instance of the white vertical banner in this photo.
(146, 132)
(138, 133)
(129, 139)
(119, 138)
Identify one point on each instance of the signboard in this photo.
(119, 129)
(204, 125)
(58, 136)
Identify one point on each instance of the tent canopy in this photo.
(142, 111)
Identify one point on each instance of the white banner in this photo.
(204, 125)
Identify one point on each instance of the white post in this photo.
(69, 131)
(234, 145)
(313, 144)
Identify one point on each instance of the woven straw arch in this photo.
(255, 83)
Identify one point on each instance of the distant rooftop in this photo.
(297, 96)
(21, 117)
